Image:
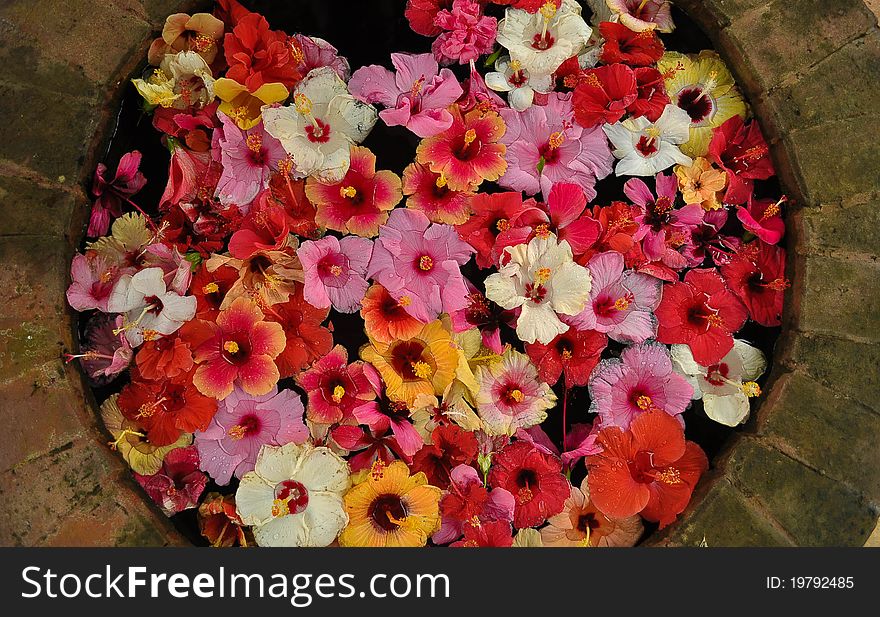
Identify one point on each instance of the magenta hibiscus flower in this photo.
(248, 158)
(419, 263)
(621, 302)
(242, 425)
(334, 271)
(641, 380)
(415, 97)
(178, 484)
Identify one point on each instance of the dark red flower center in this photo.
(404, 356)
(291, 497)
(235, 348)
(384, 508)
(155, 304)
(646, 145)
(693, 101)
(544, 42)
(587, 521)
(716, 374)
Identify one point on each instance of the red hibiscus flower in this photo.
(167, 357)
(291, 194)
(421, 14)
(617, 226)
(385, 318)
(648, 469)
(450, 446)
(257, 55)
(652, 98)
(490, 533)
(631, 48)
(239, 347)
(702, 313)
(741, 151)
(756, 274)
(492, 215)
(307, 339)
(209, 289)
(178, 484)
(763, 217)
(166, 409)
(370, 446)
(335, 387)
(535, 480)
(429, 192)
(575, 353)
(603, 95)
(264, 228)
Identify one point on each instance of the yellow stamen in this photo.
(716, 320)
(556, 139)
(211, 288)
(621, 304)
(670, 475)
(751, 389)
(254, 143)
(201, 43)
(302, 104)
(230, 346)
(377, 471)
(441, 180)
(502, 225)
(404, 301)
(123, 436)
(236, 432)
(515, 65)
(338, 393)
(517, 395)
(279, 507)
(348, 191)
(644, 402)
(150, 335)
(542, 230)
(543, 275)
(336, 270)
(469, 137)
(421, 369)
(425, 263)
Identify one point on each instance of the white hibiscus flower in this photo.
(509, 76)
(542, 280)
(645, 149)
(182, 81)
(150, 309)
(293, 497)
(724, 387)
(318, 130)
(542, 41)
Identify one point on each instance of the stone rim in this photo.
(787, 59)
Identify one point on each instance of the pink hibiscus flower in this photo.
(106, 352)
(415, 97)
(110, 194)
(467, 33)
(763, 217)
(315, 53)
(178, 484)
(334, 271)
(242, 425)
(621, 303)
(419, 263)
(248, 159)
(662, 228)
(93, 278)
(641, 380)
(545, 146)
(336, 387)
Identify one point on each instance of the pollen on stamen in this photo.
(670, 475)
(469, 137)
(441, 180)
(644, 402)
(716, 320)
(254, 142)
(556, 139)
(751, 389)
(543, 275)
(348, 191)
(236, 432)
(517, 395)
(404, 301)
(336, 270)
(231, 346)
(211, 288)
(338, 393)
(421, 369)
(548, 10)
(621, 304)
(426, 263)
(302, 104)
(377, 471)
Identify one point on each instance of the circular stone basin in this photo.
(747, 498)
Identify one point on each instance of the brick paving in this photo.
(806, 469)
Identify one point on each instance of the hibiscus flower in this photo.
(542, 280)
(335, 387)
(485, 315)
(429, 193)
(510, 76)
(389, 507)
(468, 152)
(150, 308)
(320, 127)
(511, 396)
(415, 97)
(741, 151)
(334, 271)
(763, 217)
(641, 380)
(574, 353)
(545, 146)
(701, 183)
(248, 158)
(257, 55)
(385, 318)
(450, 447)
(725, 387)
(178, 485)
(239, 348)
(466, 33)
(492, 215)
(242, 425)
(581, 524)
(110, 194)
(359, 202)
(642, 15)
(622, 44)
(621, 303)
(756, 274)
(200, 32)
(469, 504)
(648, 469)
(419, 263)
(92, 280)
(645, 148)
(293, 497)
(533, 478)
(603, 95)
(702, 313)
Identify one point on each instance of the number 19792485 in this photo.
(811, 582)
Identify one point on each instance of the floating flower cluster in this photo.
(502, 296)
